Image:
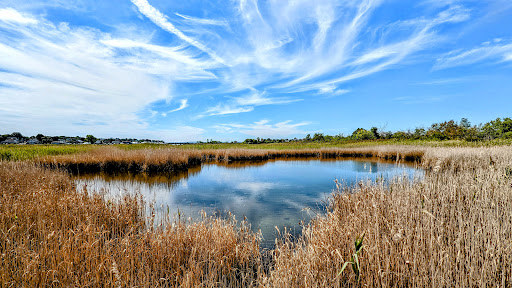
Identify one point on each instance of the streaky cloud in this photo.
(203, 21)
(494, 52)
(13, 16)
(161, 20)
(263, 128)
(183, 105)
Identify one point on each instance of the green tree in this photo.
(464, 123)
(419, 133)
(91, 139)
(17, 135)
(362, 134)
(401, 135)
(375, 132)
(318, 137)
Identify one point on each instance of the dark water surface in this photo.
(278, 193)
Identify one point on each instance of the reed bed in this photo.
(52, 235)
(168, 160)
(450, 228)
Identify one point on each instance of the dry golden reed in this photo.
(165, 160)
(450, 228)
(453, 228)
(52, 235)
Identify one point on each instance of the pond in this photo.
(280, 193)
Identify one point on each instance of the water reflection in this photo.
(273, 193)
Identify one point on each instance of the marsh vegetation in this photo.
(453, 227)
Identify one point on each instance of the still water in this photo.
(269, 194)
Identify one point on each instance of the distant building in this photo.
(59, 142)
(33, 141)
(11, 140)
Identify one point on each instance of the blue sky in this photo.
(237, 69)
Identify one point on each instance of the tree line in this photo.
(447, 130)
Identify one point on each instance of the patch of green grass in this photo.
(29, 152)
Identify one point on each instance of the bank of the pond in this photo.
(168, 160)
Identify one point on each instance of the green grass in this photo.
(29, 152)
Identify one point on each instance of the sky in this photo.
(235, 69)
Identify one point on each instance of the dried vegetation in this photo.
(451, 228)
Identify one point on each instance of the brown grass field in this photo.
(452, 228)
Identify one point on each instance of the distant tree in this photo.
(506, 125)
(39, 137)
(17, 135)
(492, 129)
(250, 141)
(308, 137)
(464, 123)
(362, 134)
(445, 130)
(90, 139)
(46, 140)
(401, 135)
(318, 137)
(419, 133)
(375, 132)
(386, 135)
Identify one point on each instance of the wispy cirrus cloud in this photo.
(161, 20)
(13, 16)
(204, 21)
(183, 105)
(220, 59)
(246, 103)
(300, 46)
(495, 51)
(80, 79)
(263, 128)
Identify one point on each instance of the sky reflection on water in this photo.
(276, 193)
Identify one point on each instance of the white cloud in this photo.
(183, 105)
(495, 52)
(180, 134)
(161, 20)
(256, 188)
(223, 109)
(11, 15)
(68, 81)
(203, 21)
(246, 103)
(264, 129)
(99, 81)
(332, 90)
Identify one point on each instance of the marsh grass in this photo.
(453, 228)
(450, 228)
(169, 160)
(52, 235)
(28, 152)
